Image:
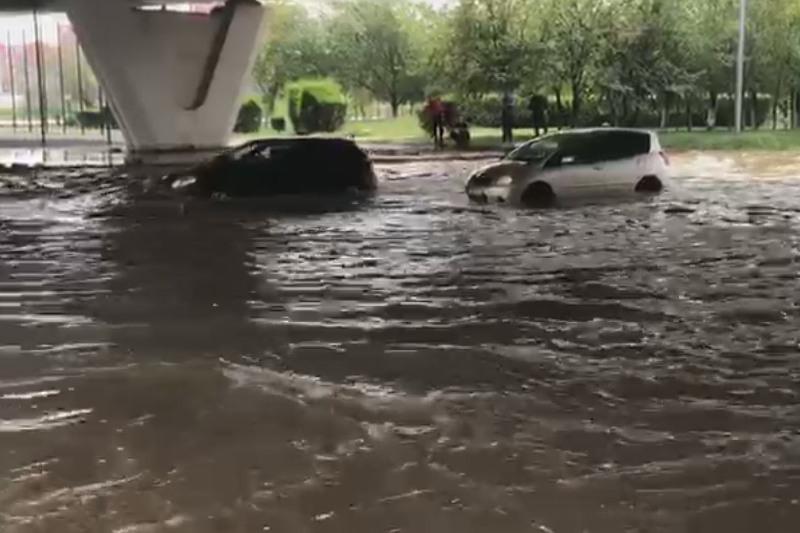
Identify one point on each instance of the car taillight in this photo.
(664, 156)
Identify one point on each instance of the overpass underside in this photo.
(174, 79)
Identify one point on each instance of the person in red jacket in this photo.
(435, 110)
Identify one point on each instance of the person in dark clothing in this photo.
(538, 108)
(507, 118)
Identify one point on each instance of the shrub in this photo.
(278, 124)
(453, 122)
(649, 116)
(249, 118)
(452, 116)
(96, 119)
(316, 106)
(487, 111)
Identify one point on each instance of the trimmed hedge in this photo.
(487, 112)
(278, 124)
(249, 118)
(316, 106)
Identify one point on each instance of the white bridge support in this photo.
(174, 79)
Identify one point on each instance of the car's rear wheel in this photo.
(649, 184)
(538, 194)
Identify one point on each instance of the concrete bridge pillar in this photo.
(174, 79)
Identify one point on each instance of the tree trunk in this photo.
(576, 104)
(664, 112)
(775, 111)
(395, 103)
(792, 110)
(754, 108)
(688, 101)
(711, 113)
(776, 97)
(612, 105)
(626, 110)
(559, 107)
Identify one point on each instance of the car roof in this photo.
(606, 129)
(293, 141)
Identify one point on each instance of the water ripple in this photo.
(402, 363)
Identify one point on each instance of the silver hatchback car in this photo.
(572, 163)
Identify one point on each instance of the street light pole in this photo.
(740, 65)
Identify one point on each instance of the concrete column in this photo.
(174, 79)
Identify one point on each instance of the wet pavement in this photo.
(403, 363)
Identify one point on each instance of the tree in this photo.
(489, 46)
(296, 48)
(642, 63)
(774, 31)
(709, 40)
(574, 38)
(376, 46)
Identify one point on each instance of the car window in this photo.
(623, 144)
(574, 149)
(595, 147)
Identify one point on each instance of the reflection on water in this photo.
(55, 157)
(406, 363)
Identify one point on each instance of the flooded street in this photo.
(407, 363)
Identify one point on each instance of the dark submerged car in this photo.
(271, 167)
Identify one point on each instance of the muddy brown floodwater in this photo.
(406, 363)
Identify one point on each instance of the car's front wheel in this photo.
(649, 184)
(538, 194)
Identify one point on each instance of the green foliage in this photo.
(626, 62)
(574, 40)
(278, 124)
(487, 110)
(489, 46)
(249, 118)
(296, 48)
(377, 46)
(454, 123)
(452, 116)
(316, 105)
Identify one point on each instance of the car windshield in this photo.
(535, 151)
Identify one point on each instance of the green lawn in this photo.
(405, 129)
(726, 140)
(392, 129)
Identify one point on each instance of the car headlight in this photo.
(183, 182)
